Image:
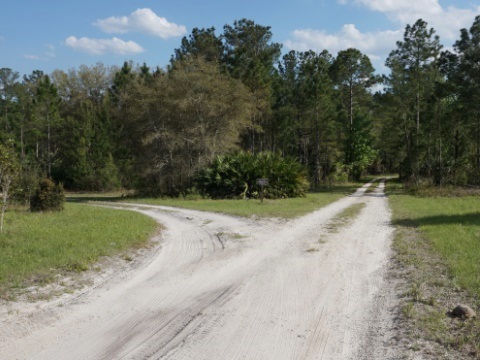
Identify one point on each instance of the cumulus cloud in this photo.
(103, 46)
(374, 44)
(143, 21)
(447, 21)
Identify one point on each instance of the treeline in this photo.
(430, 111)
(102, 128)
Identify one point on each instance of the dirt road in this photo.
(222, 287)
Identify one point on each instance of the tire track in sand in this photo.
(261, 297)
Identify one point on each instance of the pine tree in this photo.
(414, 71)
(250, 57)
(353, 72)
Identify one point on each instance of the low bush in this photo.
(236, 175)
(48, 197)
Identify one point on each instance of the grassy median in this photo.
(281, 208)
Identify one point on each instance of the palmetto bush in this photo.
(236, 175)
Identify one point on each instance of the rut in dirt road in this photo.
(223, 287)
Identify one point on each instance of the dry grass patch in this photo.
(345, 217)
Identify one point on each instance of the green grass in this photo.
(437, 243)
(34, 247)
(282, 208)
(350, 212)
(452, 226)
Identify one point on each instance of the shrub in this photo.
(236, 175)
(192, 194)
(339, 174)
(48, 197)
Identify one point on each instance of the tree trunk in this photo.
(410, 155)
(49, 164)
(417, 108)
(317, 149)
(22, 145)
(350, 108)
(478, 148)
(5, 188)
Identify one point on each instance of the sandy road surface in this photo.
(223, 287)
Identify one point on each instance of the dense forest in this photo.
(153, 130)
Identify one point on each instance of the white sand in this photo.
(223, 287)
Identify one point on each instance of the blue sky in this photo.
(53, 34)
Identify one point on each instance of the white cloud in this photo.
(374, 44)
(50, 52)
(402, 8)
(32, 57)
(143, 21)
(103, 46)
(447, 21)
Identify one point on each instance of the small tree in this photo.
(48, 197)
(8, 171)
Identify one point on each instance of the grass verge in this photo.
(438, 249)
(281, 208)
(345, 216)
(36, 247)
